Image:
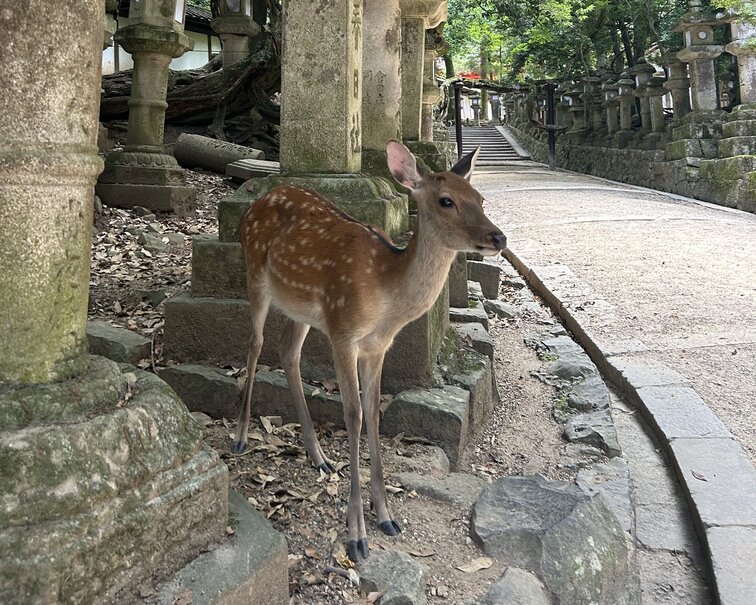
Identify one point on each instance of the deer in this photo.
(323, 269)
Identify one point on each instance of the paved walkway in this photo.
(661, 291)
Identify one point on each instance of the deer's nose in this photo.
(498, 239)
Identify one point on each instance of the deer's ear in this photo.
(466, 164)
(403, 166)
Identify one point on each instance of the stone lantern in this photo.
(143, 174)
(496, 108)
(577, 111)
(742, 46)
(592, 106)
(643, 72)
(236, 28)
(655, 92)
(626, 100)
(611, 103)
(475, 103)
(563, 106)
(700, 51)
(678, 84)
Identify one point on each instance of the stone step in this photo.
(693, 148)
(216, 331)
(739, 128)
(732, 146)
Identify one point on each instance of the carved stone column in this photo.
(742, 46)
(142, 174)
(626, 100)
(611, 103)
(106, 480)
(655, 92)
(643, 72)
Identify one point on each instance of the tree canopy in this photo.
(518, 39)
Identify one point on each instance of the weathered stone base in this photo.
(371, 200)
(216, 331)
(158, 198)
(251, 567)
(96, 505)
(724, 181)
(438, 156)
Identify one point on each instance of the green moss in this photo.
(561, 410)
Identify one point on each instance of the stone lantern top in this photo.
(625, 84)
(160, 13)
(235, 18)
(642, 71)
(155, 26)
(433, 11)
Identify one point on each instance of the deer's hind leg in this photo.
(290, 352)
(259, 305)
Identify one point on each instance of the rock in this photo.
(204, 389)
(154, 297)
(151, 242)
(569, 539)
(572, 366)
(174, 238)
(459, 489)
(97, 206)
(580, 455)
(141, 211)
(560, 345)
(516, 587)
(514, 282)
(589, 395)
(118, 344)
(434, 461)
(612, 480)
(594, 428)
(474, 312)
(440, 415)
(202, 419)
(458, 281)
(398, 574)
(501, 309)
(488, 274)
(476, 336)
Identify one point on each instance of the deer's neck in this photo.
(422, 271)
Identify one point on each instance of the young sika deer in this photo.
(323, 269)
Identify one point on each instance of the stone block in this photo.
(475, 335)
(218, 268)
(372, 200)
(733, 146)
(84, 522)
(718, 479)
(501, 309)
(243, 170)
(397, 574)
(193, 150)
(458, 281)
(216, 331)
(589, 395)
(638, 374)
(118, 344)
(739, 128)
(474, 312)
(158, 198)
(572, 366)
(474, 373)
(678, 412)
(488, 274)
(439, 414)
(248, 567)
(732, 551)
(460, 489)
(696, 148)
(612, 481)
(204, 389)
(569, 539)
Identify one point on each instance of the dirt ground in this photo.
(126, 288)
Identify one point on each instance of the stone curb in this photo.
(716, 476)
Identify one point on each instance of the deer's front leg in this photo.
(345, 360)
(370, 377)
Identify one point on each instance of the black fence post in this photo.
(458, 116)
(551, 123)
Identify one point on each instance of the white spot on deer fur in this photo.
(341, 302)
(289, 204)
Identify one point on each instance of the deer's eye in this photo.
(446, 202)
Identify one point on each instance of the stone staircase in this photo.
(495, 149)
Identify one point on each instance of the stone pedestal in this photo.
(654, 93)
(236, 31)
(381, 83)
(643, 73)
(106, 480)
(626, 101)
(743, 35)
(576, 134)
(143, 174)
(612, 115)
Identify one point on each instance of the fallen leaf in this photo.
(185, 598)
(476, 564)
(372, 597)
(312, 553)
(354, 577)
(332, 489)
(699, 476)
(266, 424)
(392, 489)
(423, 553)
(230, 531)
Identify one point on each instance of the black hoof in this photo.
(357, 549)
(327, 468)
(238, 447)
(390, 528)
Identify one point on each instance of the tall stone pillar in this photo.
(743, 35)
(431, 92)
(413, 67)
(655, 92)
(106, 481)
(381, 83)
(678, 84)
(611, 103)
(563, 107)
(236, 27)
(592, 105)
(143, 174)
